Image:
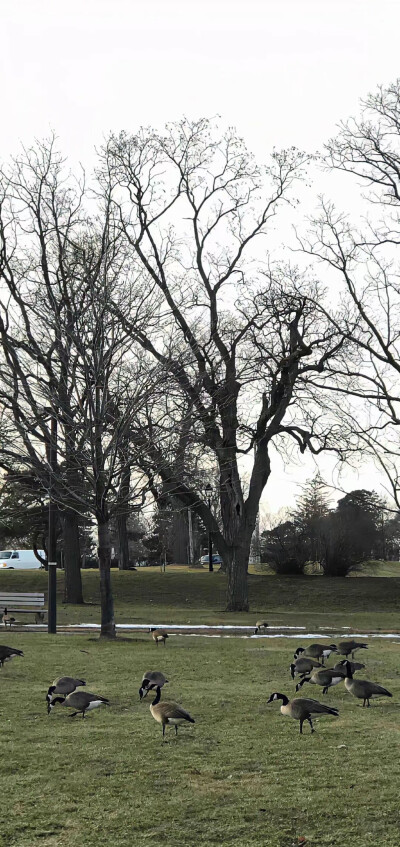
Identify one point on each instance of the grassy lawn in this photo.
(183, 596)
(241, 776)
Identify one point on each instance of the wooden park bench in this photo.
(27, 604)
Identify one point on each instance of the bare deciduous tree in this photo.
(239, 340)
(364, 256)
(70, 381)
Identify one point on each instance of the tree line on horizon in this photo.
(149, 341)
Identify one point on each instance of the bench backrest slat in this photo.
(23, 599)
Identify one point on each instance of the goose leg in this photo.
(310, 722)
(73, 714)
(325, 690)
(176, 730)
(301, 726)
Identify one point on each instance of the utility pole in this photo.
(52, 539)
(210, 562)
(191, 539)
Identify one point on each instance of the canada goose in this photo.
(169, 714)
(316, 651)
(301, 709)
(260, 625)
(344, 648)
(81, 701)
(325, 677)
(303, 665)
(363, 688)
(158, 635)
(63, 685)
(151, 680)
(8, 619)
(355, 666)
(8, 653)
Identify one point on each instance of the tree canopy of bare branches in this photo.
(364, 256)
(239, 338)
(71, 384)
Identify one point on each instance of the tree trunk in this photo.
(123, 545)
(72, 558)
(107, 602)
(122, 515)
(237, 592)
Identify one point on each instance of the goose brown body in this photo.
(63, 685)
(159, 635)
(344, 648)
(301, 709)
(363, 689)
(8, 619)
(81, 701)
(326, 678)
(261, 625)
(355, 666)
(8, 653)
(316, 651)
(303, 666)
(168, 713)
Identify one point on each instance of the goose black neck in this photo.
(283, 697)
(349, 673)
(157, 697)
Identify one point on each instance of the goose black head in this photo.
(144, 688)
(298, 652)
(53, 702)
(277, 696)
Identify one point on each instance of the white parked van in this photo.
(20, 559)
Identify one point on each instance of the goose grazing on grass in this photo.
(301, 709)
(303, 665)
(8, 653)
(81, 701)
(326, 677)
(150, 681)
(260, 625)
(158, 635)
(63, 685)
(363, 688)
(344, 648)
(169, 714)
(316, 651)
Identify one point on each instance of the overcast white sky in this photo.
(282, 71)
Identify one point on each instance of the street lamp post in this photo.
(210, 563)
(52, 540)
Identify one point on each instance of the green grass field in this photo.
(183, 596)
(242, 775)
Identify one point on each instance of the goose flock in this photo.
(308, 666)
